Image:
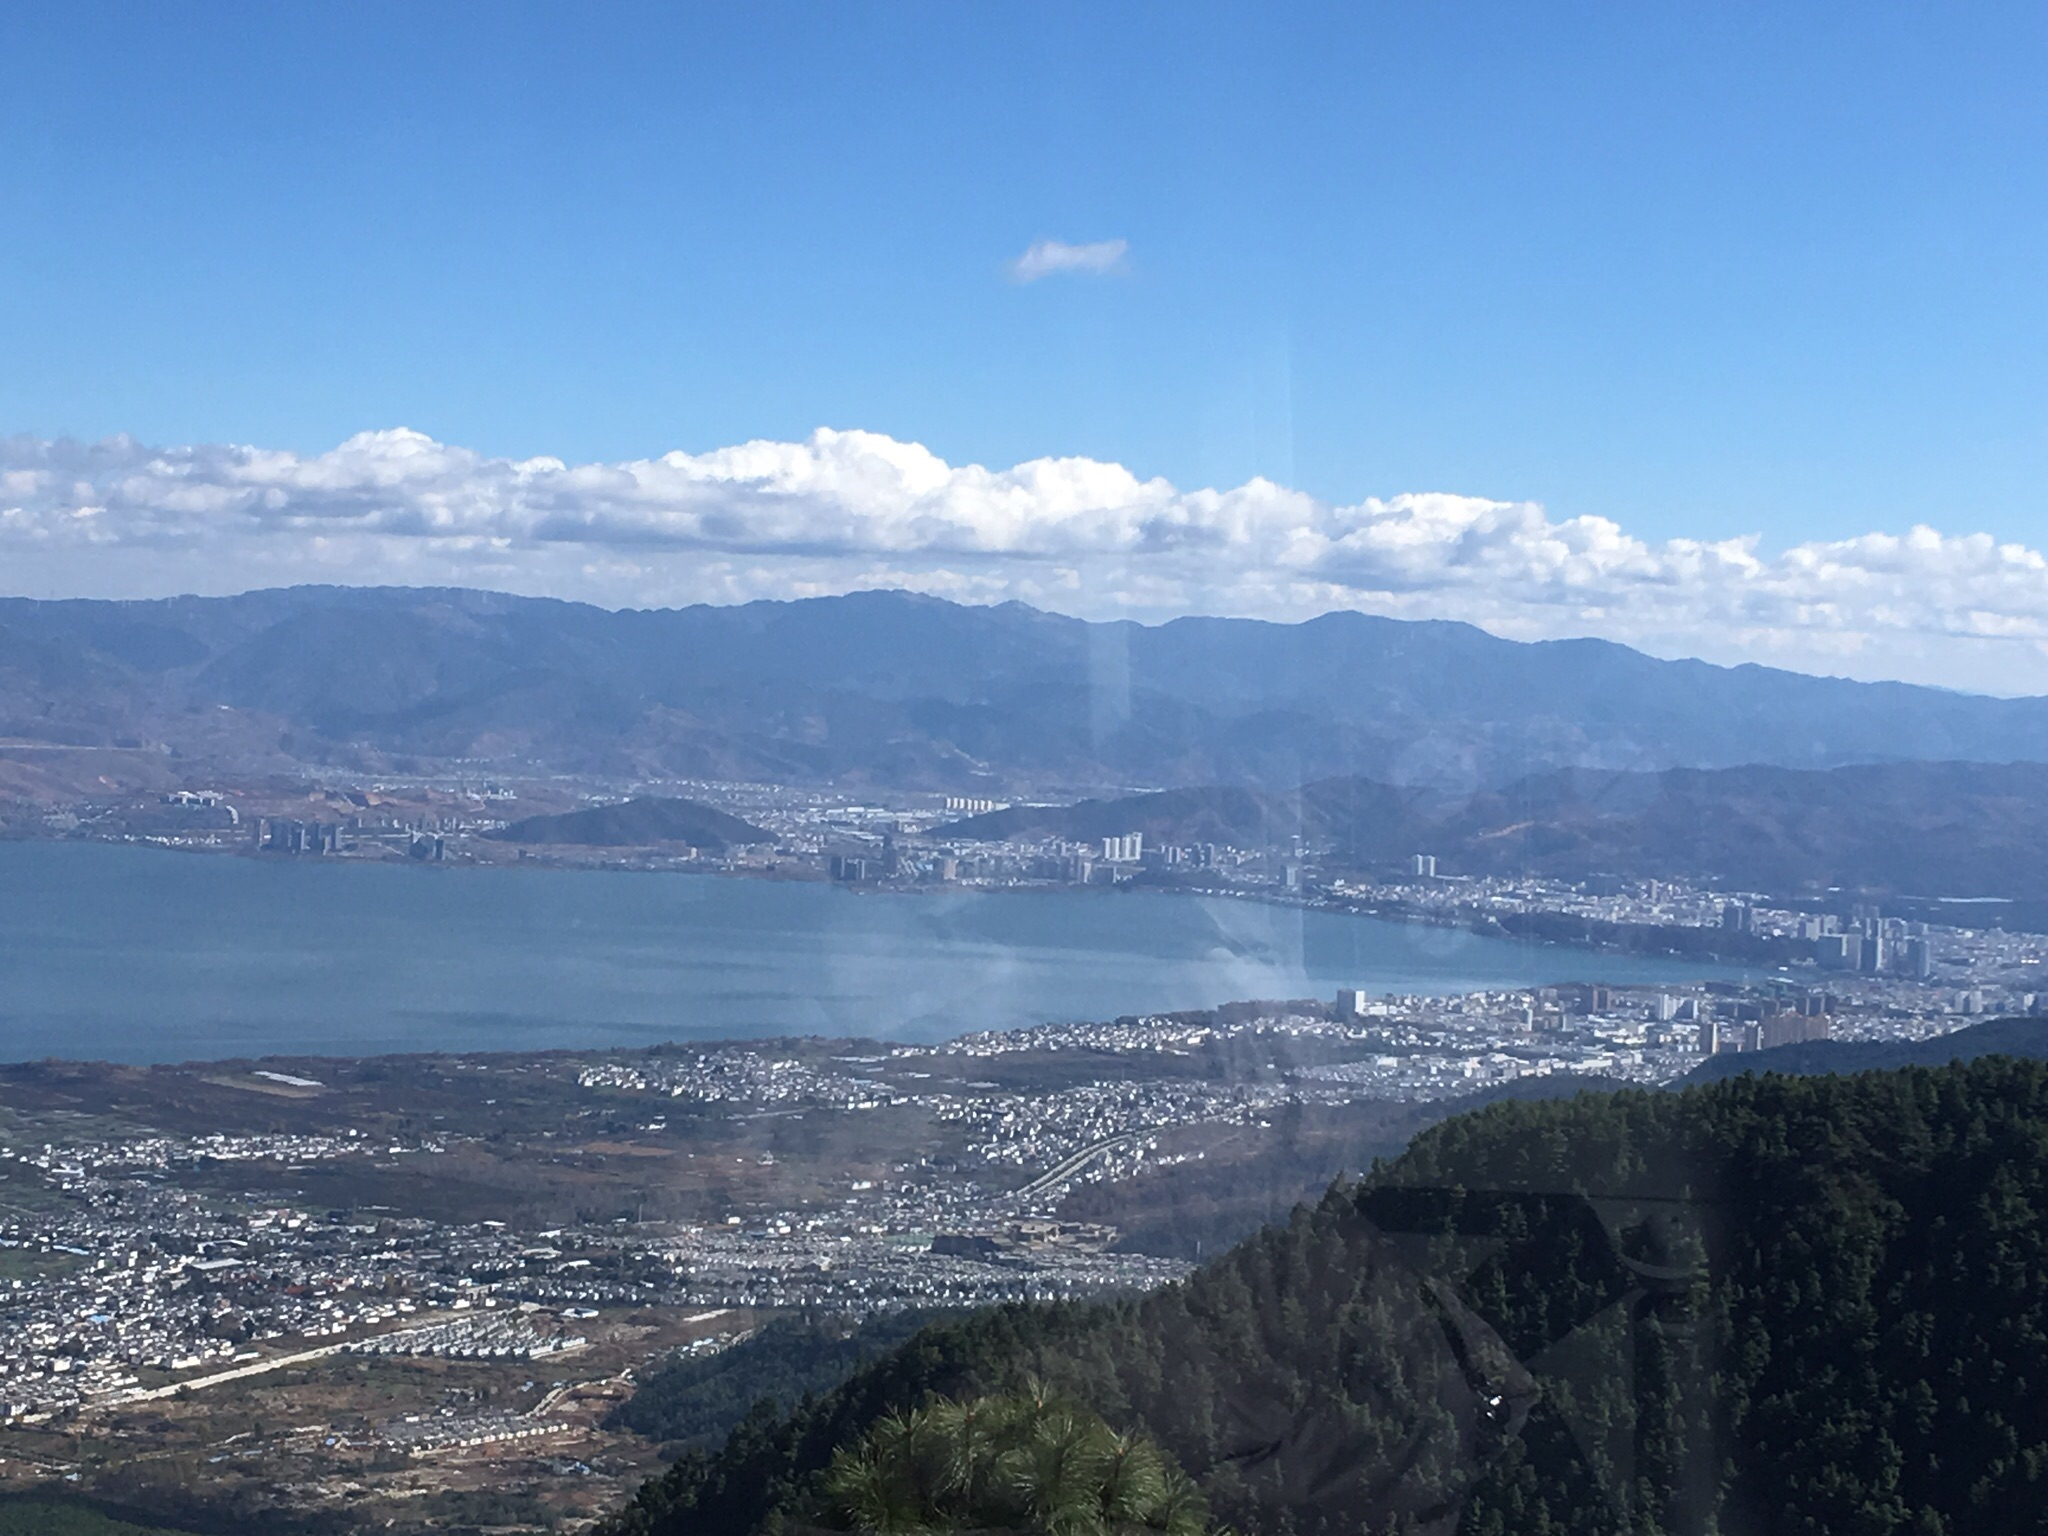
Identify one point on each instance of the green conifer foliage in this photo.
(1032, 1462)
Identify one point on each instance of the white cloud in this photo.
(843, 510)
(1049, 258)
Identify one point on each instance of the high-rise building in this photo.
(967, 806)
(1128, 849)
(1792, 1029)
(1425, 866)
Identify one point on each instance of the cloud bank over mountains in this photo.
(845, 510)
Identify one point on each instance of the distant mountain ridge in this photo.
(1916, 829)
(891, 688)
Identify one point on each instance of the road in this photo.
(1074, 1164)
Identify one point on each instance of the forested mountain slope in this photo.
(695, 1399)
(1766, 1305)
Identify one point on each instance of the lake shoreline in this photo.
(108, 954)
(1392, 912)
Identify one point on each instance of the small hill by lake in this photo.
(637, 823)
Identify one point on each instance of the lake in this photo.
(141, 955)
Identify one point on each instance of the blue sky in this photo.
(1706, 270)
(1694, 313)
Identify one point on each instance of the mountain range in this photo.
(890, 688)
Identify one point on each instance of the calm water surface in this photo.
(139, 955)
